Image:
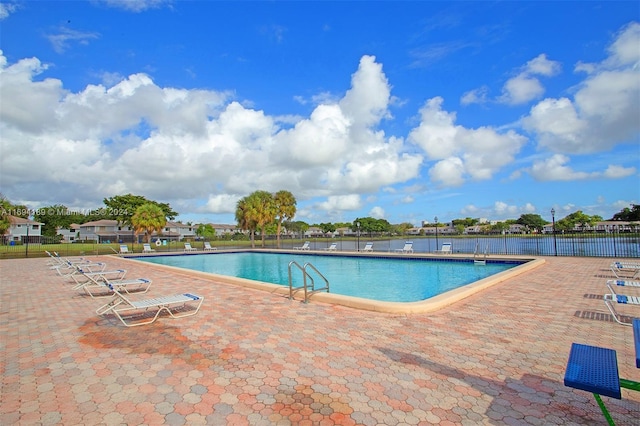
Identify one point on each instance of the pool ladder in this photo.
(308, 282)
(476, 256)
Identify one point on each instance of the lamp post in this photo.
(358, 226)
(553, 221)
(436, 220)
(26, 249)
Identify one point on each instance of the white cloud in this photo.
(136, 5)
(521, 89)
(462, 153)
(111, 78)
(177, 145)
(475, 96)
(540, 65)
(65, 36)
(340, 203)
(499, 210)
(554, 168)
(617, 172)
(449, 172)
(470, 210)
(621, 204)
(221, 203)
(605, 109)
(502, 210)
(525, 86)
(377, 212)
(558, 125)
(365, 104)
(7, 9)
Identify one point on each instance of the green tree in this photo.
(371, 225)
(148, 218)
(401, 228)
(362, 224)
(123, 207)
(245, 220)
(5, 213)
(262, 210)
(254, 212)
(285, 207)
(271, 228)
(327, 227)
(206, 231)
(343, 225)
(56, 217)
(465, 222)
(382, 225)
(297, 227)
(500, 227)
(628, 214)
(577, 219)
(532, 221)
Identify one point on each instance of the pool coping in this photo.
(422, 306)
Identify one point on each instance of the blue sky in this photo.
(397, 110)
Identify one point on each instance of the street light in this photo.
(553, 220)
(358, 226)
(436, 219)
(26, 250)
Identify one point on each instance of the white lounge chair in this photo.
(408, 248)
(69, 269)
(610, 300)
(622, 283)
(135, 285)
(141, 312)
(85, 276)
(624, 270)
(187, 247)
(98, 284)
(368, 247)
(207, 246)
(124, 249)
(305, 246)
(446, 248)
(332, 247)
(146, 248)
(56, 261)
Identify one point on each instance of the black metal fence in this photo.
(615, 245)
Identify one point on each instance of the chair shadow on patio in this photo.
(538, 393)
(157, 338)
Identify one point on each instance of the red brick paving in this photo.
(255, 358)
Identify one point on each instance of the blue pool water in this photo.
(384, 279)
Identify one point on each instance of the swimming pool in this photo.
(379, 278)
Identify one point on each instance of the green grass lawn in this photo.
(90, 249)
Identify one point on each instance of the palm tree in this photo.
(256, 211)
(285, 206)
(244, 220)
(262, 210)
(148, 218)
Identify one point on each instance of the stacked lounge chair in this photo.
(94, 280)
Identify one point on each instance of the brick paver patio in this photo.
(252, 357)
